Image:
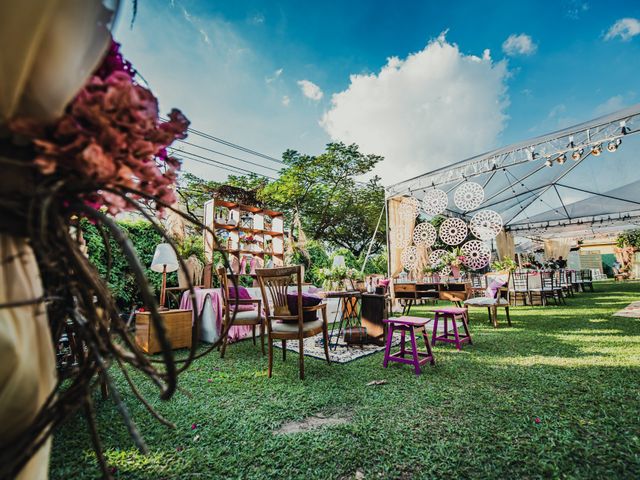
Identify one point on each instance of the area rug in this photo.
(342, 353)
(632, 311)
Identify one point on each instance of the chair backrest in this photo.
(547, 280)
(207, 276)
(478, 280)
(274, 285)
(224, 285)
(520, 280)
(505, 279)
(587, 275)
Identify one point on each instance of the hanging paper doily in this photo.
(468, 196)
(409, 207)
(402, 238)
(446, 270)
(476, 254)
(435, 202)
(486, 224)
(424, 234)
(409, 257)
(453, 231)
(435, 257)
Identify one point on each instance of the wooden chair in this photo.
(587, 280)
(251, 317)
(492, 303)
(281, 324)
(520, 287)
(548, 289)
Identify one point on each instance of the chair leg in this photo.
(465, 326)
(262, 337)
(224, 343)
(284, 350)
(387, 348)
(456, 335)
(425, 336)
(254, 334)
(270, 354)
(506, 310)
(414, 348)
(435, 329)
(325, 336)
(494, 315)
(489, 312)
(301, 354)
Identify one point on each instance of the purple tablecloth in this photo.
(236, 332)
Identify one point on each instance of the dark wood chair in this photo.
(548, 289)
(587, 280)
(520, 287)
(251, 317)
(281, 323)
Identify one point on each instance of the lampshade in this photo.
(338, 261)
(164, 256)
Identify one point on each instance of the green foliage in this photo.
(192, 245)
(574, 367)
(507, 264)
(630, 238)
(121, 280)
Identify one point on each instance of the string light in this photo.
(613, 145)
(577, 154)
(596, 149)
(561, 159)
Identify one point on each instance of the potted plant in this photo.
(455, 261)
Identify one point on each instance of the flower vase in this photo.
(455, 271)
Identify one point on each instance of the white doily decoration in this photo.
(468, 196)
(435, 257)
(409, 207)
(424, 234)
(453, 231)
(486, 224)
(446, 270)
(477, 255)
(435, 202)
(402, 238)
(409, 257)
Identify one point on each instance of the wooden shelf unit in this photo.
(235, 231)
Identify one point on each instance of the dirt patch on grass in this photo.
(314, 422)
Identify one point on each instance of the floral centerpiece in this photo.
(505, 265)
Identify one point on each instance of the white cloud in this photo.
(433, 108)
(521, 44)
(276, 75)
(625, 28)
(612, 104)
(310, 90)
(286, 100)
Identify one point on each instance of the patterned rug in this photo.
(632, 311)
(343, 353)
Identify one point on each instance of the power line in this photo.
(203, 159)
(230, 144)
(228, 156)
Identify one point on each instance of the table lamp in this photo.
(164, 261)
(338, 261)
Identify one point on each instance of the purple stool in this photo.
(408, 324)
(454, 314)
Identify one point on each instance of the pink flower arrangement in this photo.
(110, 137)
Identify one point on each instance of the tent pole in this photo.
(373, 237)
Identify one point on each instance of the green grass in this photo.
(576, 368)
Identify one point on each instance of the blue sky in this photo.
(275, 75)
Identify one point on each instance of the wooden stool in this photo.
(454, 314)
(408, 324)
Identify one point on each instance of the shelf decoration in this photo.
(246, 221)
(453, 231)
(486, 224)
(424, 234)
(435, 202)
(468, 196)
(477, 254)
(409, 207)
(409, 257)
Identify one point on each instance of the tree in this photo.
(332, 205)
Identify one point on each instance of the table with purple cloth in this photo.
(209, 306)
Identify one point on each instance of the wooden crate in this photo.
(178, 326)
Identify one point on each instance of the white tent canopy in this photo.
(540, 190)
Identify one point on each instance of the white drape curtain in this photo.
(557, 248)
(505, 245)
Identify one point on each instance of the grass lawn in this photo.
(575, 368)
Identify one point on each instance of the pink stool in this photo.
(408, 324)
(454, 314)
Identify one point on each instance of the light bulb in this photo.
(597, 149)
(548, 163)
(561, 159)
(577, 154)
(613, 145)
